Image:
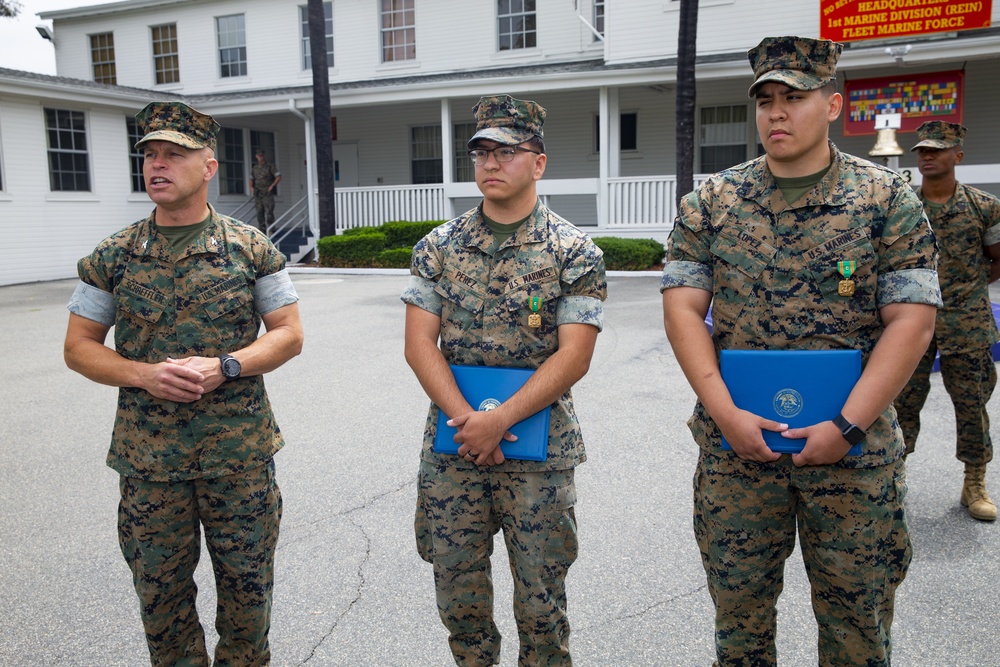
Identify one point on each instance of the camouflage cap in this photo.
(506, 120)
(939, 134)
(177, 123)
(797, 62)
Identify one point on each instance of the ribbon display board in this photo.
(917, 97)
(854, 20)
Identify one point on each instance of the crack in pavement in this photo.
(642, 612)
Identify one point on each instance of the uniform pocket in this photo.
(849, 301)
(461, 307)
(137, 323)
(741, 259)
(540, 340)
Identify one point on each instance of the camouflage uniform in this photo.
(263, 176)
(772, 271)
(209, 461)
(481, 296)
(965, 327)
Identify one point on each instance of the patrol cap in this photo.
(939, 134)
(798, 62)
(259, 151)
(506, 120)
(177, 123)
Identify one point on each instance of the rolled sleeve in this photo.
(580, 310)
(420, 292)
(909, 286)
(274, 291)
(992, 236)
(686, 274)
(93, 303)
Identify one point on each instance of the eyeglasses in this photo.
(500, 154)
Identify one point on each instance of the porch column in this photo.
(447, 166)
(609, 159)
(313, 196)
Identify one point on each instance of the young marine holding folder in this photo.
(803, 248)
(507, 284)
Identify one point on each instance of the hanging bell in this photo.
(885, 144)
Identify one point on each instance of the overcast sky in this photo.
(21, 47)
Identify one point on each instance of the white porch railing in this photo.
(371, 206)
(644, 201)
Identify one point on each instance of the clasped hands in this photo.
(742, 430)
(183, 380)
(479, 435)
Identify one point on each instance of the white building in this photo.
(404, 75)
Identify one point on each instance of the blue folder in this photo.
(794, 387)
(486, 387)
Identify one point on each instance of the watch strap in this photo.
(851, 432)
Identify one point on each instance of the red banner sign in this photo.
(855, 20)
(917, 97)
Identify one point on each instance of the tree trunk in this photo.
(321, 118)
(687, 49)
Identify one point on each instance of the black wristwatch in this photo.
(231, 368)
(852, 433)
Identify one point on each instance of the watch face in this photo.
(231, 368)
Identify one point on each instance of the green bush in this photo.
(630, 254)
(359, 231)
(402, 234)
(355, 250)
(394, 258)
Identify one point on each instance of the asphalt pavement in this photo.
(350, 588)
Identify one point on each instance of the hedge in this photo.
(389, 246)
(630, 254)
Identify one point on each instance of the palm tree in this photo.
(687, 40)
(322, 130)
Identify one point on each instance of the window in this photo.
(328, 22)
(425, 146)
(232, 165)
(628, 132)
(165, 60)
(135, 155)
(232, 45)
(598, 17)
(516, 24)
(723, 137)
(465, 171)
(102, 57)
(69, 168)
(399, 31)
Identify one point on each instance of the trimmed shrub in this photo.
(630, 254)
(356, 250)
(360, 231)
(394, 258)
(402, 234)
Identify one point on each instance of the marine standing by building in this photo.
(803, 248)
(966, 222)
(509, 284)
(186, 290)
(264, 178)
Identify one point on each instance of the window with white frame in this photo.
(166, 62)
(399, 30)
(328, 27)
(628, 132)
(102, 57)
(465, 171)
(516, 24)
(135, 155)
(231, 155)
(69, 161)
(232, 37)
(425, 155)
(723, 137)
(598, 17)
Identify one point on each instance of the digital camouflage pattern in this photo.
(506, 120)
(263, 176)
(198, 302)
(797, 62)
(177, 123)
(459, 511)
(481, 291)
(240, 514)
(772, 269)
(482, 298)
(965, 326)
(853, 538)
(939, 134)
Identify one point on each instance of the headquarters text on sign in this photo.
(854, 20)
